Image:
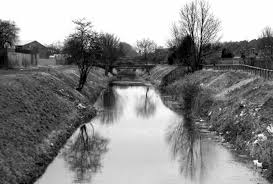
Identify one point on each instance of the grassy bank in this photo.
(39, 110)
(238, 106)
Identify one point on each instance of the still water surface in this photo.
(136, 139)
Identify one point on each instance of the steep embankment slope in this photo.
(160, 71)
(241, 110)
(38, 111)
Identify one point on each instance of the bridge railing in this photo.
(265, 73)
(124, 65)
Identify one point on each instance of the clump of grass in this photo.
(195, 99)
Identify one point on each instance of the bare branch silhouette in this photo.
(83, 154)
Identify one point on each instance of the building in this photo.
(35, 47)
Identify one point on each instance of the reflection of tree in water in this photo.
(112, 109)
(146, 106)
(84, 153)
(187, 145)
(194, 154)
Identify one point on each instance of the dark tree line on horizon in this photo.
(265, 41)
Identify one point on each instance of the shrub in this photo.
(195, 99)
(226, 53)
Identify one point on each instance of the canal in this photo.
(136, 139)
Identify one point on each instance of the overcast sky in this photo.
(49, 21)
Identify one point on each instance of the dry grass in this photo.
(38, 112)
(242, 113)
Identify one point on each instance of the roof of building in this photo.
(26, 43)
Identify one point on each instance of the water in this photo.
(136, 139)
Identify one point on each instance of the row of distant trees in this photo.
(265, 41)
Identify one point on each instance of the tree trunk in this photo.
(82, 81)
(106, 70)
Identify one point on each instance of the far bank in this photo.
(237, 105)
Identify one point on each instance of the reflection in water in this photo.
(83, 154)
(110, 103)
(185, 144)
(145, 107)
(138, 152)
(185, 140)
(195, 154)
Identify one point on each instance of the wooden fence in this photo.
(265, 73)
(11, 59)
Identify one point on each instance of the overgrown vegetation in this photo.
(226, 53)
(238, 106)
(195, 100)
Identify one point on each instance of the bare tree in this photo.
(176, 37)
(267, 32)
(197, 21)
(83, 48)
(266, 38)
(8, 33)
(145, 46)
